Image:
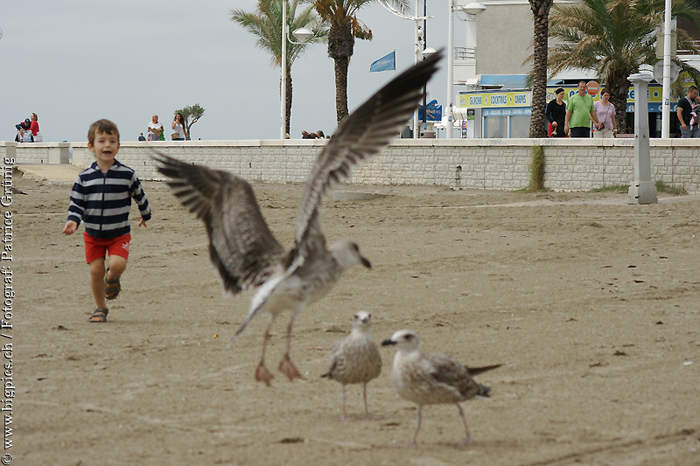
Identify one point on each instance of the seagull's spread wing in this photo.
(362, 135)
(241, 247)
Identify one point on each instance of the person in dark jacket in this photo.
(556, 114)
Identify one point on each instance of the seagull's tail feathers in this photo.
(240, 330)
(261, 297)
(257, 303)
(484, 391)
(478, 370)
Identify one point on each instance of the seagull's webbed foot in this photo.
(288, 369)
(466, 442)
(408, 445)
(262, 374)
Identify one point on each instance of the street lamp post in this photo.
(283, 80)
(427, 53)
(666, 84)
(425, 46)
(417, 38)
(471, 9)
(302, 35)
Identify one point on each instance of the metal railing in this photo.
(696, 44)
(465, 53)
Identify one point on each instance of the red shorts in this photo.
(97, 248)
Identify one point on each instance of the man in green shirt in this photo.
(579, 113)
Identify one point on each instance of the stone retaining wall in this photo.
(570, 165)
(37, 153)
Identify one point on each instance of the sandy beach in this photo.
(591, 305)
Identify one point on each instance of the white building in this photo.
(490, 67)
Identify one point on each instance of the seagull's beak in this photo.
(388, 343)
(365, 262)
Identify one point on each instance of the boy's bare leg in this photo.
(117, 266)
(97, 281)
(115, 269)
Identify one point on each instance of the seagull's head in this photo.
(348, 254)
(404, 340)
(361, 320)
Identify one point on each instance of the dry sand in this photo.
(591, 305)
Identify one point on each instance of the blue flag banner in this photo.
(386, 63)
(434, 111)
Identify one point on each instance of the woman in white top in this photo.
(179, 128)
(606, 116)
(155, 129)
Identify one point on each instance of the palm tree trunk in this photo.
(288, 103)
(340, 48)
(540, 10)
(341, 88)
(618, 97)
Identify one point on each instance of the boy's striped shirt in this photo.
(103, 200)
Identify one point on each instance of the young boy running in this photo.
(101, 197)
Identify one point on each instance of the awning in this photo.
(508, 81)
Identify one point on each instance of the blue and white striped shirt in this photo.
(103, 200)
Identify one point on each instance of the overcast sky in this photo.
(75, 61)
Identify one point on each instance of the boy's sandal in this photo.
(112, 288)
(99, 315)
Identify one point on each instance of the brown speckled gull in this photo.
(427, 379)
(355, 358)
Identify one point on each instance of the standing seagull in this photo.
(428, 379)
(242, 247)
(355, 358)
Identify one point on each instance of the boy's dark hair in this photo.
(102, 126)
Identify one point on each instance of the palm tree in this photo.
(266, 23)
(344, 28)
(612, 37)
(540, 10)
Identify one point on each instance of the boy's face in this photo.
(105, 147)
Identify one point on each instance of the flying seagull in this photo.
(241, 245)
(428, 379)
(355, 358)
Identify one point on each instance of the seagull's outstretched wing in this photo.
(362, 135)
(241, 245)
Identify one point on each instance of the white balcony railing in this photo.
(696, 44)
(465, 53)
